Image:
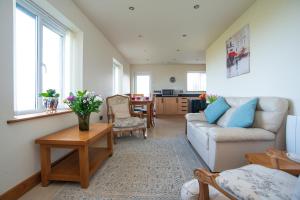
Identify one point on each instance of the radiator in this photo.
(293, 135)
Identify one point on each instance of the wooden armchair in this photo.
(206, 178)
(124, 120)
(286, 181)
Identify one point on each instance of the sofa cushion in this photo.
(240, 134)
(202, 124)
(243, 116)
(269, 115)
(215, 110)
(223, 121)
(270, 121)
(257, 182)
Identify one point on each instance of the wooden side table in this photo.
(83, 161)
(274, 159)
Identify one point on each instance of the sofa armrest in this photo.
(195, 117)
(240, 134)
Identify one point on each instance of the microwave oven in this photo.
(167, 92)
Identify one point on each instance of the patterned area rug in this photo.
(140, 169)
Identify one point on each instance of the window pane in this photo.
(203, 82)
(25, 68)
(116, 74)
(143, 85)
(117, 77)
(196, 81)
(52, 60)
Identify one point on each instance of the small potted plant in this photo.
(83, 104)
(50, 100)
(211, 98)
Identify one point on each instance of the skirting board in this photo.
(26, 185)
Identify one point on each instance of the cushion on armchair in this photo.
(215, 110)
(257, 182)
(128, 122)
(190, 191)
(121, 110)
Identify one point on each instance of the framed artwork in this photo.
(238, 53)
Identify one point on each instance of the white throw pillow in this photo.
(120, 110)
(296, 195)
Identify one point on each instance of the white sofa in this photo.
(224, 148)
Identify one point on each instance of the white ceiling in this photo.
(161, 24)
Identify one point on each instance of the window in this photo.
(142, 84)
(39, 57)
(117, 77)
(196, 81)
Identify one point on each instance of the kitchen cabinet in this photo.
(171, 105)
(159, 103)
(182, 105)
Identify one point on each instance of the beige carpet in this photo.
(140, 169)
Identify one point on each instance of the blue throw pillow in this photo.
(215, 110)
(243, 116)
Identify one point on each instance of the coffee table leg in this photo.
(110, 142)
(45, 164)
(84, 166)
(148, 115)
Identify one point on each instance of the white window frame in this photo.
(117, 64)
(201, 72)
(43, 19)
(142, 74)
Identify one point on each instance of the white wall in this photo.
(274, 54)
(160, 75)
(18, 154)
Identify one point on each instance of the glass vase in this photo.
(51, 104)
(84, 122)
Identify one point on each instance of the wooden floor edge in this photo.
(20, 189)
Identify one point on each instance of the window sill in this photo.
(27, 117)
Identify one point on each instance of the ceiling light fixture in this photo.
(140, 36)
(184, 35)
(177, 50)
(196, 6)
(131, 8)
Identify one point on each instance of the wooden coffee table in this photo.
(274, 159)
(83, 161)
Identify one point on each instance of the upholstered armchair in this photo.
(124, 120)
(249, 182)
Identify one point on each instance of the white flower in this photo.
(98, 98)
(84, 101)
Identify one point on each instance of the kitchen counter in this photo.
(179, 95)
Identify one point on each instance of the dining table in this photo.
(149, 103)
